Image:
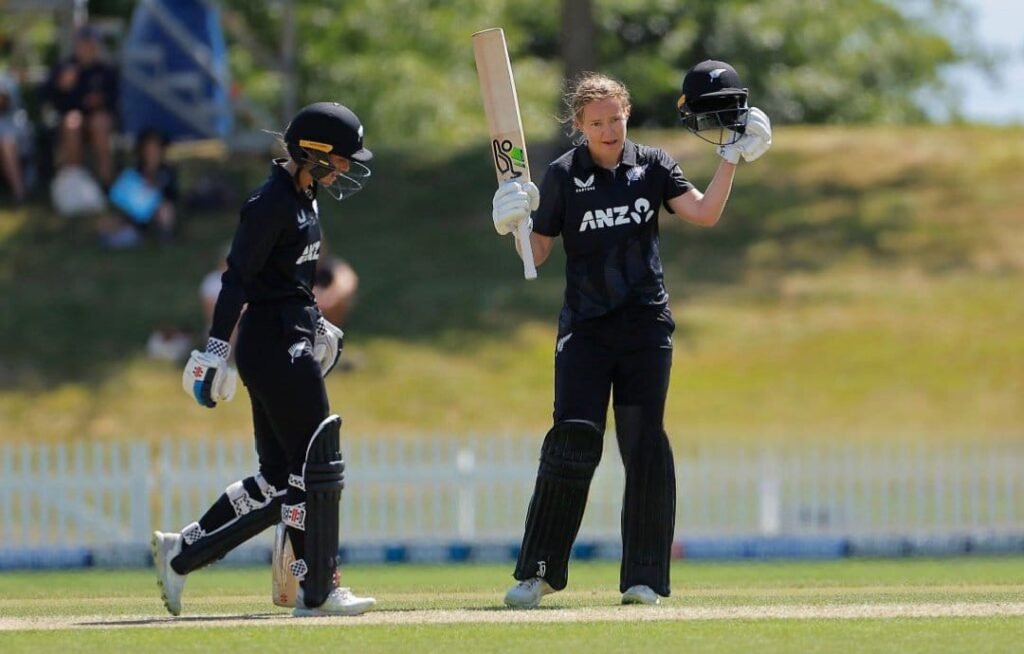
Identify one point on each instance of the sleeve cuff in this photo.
(218, 348)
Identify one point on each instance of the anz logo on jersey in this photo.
(310, 253)
(615, 216)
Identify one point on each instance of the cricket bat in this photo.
(285, 585)
(501, 104)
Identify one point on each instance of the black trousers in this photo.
(628, 351)
(626, 356)
(274, 357)
(289, 401)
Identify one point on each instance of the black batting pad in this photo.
(569, 456)
(324, 476)
(649, 500)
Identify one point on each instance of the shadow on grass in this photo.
(190, 620)
(420, 237)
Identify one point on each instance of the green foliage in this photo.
(411, 76)
(406, 66)
(804, 61)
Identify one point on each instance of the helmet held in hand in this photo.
(713, 99)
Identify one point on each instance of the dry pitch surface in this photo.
(541, 615)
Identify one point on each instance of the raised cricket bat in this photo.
(501, 104)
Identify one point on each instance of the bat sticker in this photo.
(508, 158)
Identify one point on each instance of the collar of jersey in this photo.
(586, 162)
(278, 170)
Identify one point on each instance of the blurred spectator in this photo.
(83, 91)
(169, 344)
(15, 137)
(74, 192)
(335, 289)
(145, 195)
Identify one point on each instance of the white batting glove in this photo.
(512, 204)
(534, 193)
(207, 377)
(327, 345)
(758, 136)
(731, 152)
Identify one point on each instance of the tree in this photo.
(578, 32)
(406, 66)
(804, 60)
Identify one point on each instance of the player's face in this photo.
(603, 124)
(341, 165)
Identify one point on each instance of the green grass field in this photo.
(864, 283)
(934, 606)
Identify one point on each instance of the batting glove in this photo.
(758, 136)
(512, 204)
(731, 152)
(328, 345)
(207, 377)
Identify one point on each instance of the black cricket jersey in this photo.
(274, 252)
(608, 221)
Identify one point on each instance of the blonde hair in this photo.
(587, 88)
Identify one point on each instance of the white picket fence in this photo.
(476, 489)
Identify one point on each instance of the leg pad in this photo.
(323, 476)
(649, 500)
(569, 457)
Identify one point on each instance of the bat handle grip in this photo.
(526, 250)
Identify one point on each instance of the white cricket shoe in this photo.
(165, 547)
(640, 594)
(341, 601)
(527, 594)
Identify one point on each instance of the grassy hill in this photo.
(865, 283)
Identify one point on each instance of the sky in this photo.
(998, 23)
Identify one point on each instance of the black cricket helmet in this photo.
(320, 130)
(714, 99)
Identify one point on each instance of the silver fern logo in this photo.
(299, 349)
(635, 174)
(562, 341)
